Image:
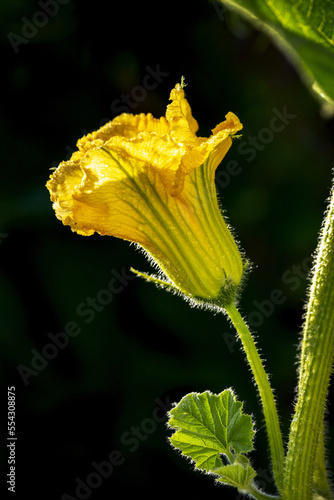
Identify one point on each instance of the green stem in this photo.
(320, 479)
(260, 495)
(266, 394)
(317, 353)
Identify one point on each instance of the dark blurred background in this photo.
(68, 67)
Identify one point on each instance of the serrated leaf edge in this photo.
(177, 428)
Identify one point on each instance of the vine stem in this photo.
(316, 360)
(266, 393)
(260, 495)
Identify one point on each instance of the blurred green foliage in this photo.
(304, 32)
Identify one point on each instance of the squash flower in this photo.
(151, 181)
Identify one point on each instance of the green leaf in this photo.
(304, 31)
(240, 475)
(208, 425)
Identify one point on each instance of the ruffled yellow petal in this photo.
(125, 126)
(62, 186)
(183, 132)
(178, 114)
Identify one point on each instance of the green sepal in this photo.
(157, 281)
(228, 294)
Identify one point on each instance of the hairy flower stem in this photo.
(266, 394)
(317, 352)
(260, 495)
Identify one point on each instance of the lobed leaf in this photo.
(208, 425)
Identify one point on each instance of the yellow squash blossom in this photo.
(151, 181)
